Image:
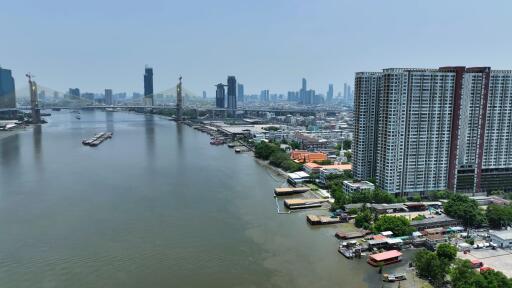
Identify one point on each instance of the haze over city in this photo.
(266, 44)
(256, 144)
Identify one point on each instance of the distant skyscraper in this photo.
(148, 86)
(108, 97)
(330, 93)
(231, 93)
(7, 90)
(303, 92)
(265, 96)
(74, 92)
(345, 92)
(240, 92)
(220, 95)
(204, 94)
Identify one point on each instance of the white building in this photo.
(351, 186)
(502, 238)
(420, 130)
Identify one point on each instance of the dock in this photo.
(321, 220)
(290, 190)
(303, 203)
(97, 139)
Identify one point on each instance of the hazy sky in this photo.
(266, 44)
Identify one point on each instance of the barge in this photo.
(290, 190)
(303, 203)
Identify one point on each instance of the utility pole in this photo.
(34, 103)
(179, 102)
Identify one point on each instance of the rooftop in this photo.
(503, 234)
(386, 255)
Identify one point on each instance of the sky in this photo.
(266, 44)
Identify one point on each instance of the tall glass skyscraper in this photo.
(231, 92)
(148, 86)
(220, 94)
(7, 89)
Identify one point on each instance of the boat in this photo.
(77, 117)
(231, 145)
(347, 252)
(238, 150)
(55, 109)
(394, 277)
(217, 142)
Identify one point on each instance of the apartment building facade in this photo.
(420, 130)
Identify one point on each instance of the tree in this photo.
(264, 150)
(446, 251)
(347, 144)
(416, 197)
(399, 225)
(499, 216)
(348, 155)
(464, 209)
(463, 275)
(496, 279)
(430, 267)
(378, 196)
(295, 145)
(364, 219)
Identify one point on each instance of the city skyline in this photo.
(335, 51)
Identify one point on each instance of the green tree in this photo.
(347, 144)
(496, 279)
(446, 251)
(295, 145)
(348, 155)
(464, 209)
(416, 197)
(364, 219)
(499, 216)
(399, 225)
(378, 196)
(430, 267)
(463, 275)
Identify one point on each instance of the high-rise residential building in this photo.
(420, 130)
(366, 112)
(108, 97)
(204, 94)
(7, 89)
(240, 92)
(231, 93)
(148, 86)
(220, 95)
(330, 93)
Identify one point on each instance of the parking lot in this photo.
(499, 259)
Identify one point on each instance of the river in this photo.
(155, 206)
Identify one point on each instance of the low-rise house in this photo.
(502, 238)
(350, 186)
(298, 178)
(435, 222)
